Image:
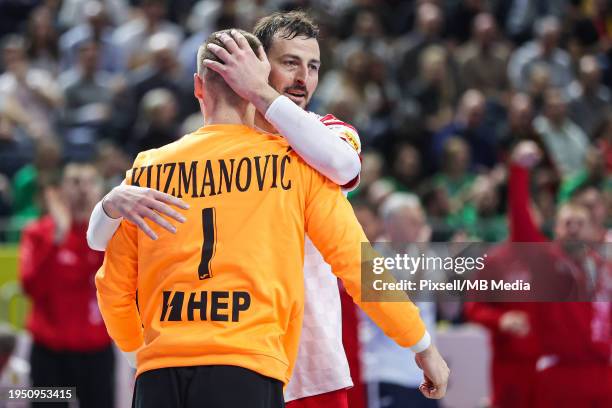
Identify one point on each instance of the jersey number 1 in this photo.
(209, 230)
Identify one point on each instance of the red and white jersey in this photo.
(321, 364)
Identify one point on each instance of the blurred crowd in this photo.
(440, 92)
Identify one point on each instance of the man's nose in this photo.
(301, 74)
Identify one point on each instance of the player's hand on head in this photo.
(245, 71)
(137, 203)
(435, 373)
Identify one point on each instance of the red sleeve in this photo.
(485, 314)
(522, 225)
(35, 252)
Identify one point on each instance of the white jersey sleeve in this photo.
(313, 139)
(101, 228)
(348, 134)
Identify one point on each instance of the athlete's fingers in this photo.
(215, 66)
(159, 220)
(140, 223)
(428, 391)
(220, 52)
(240, 40)
(431, 390)
(261, 53)
(166, 210)
(229, 42)
(170, 199)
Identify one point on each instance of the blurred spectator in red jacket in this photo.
(514, 345)
(70, 344)
(575, 337)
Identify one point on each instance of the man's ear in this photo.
(198, 86)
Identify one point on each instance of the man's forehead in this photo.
(79, 173)
(305, 48)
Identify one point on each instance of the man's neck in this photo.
(223, 114)
(262, 124)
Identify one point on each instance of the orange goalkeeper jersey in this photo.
(227, 288)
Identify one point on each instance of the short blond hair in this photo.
(211, 77)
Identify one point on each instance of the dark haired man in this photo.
(220, 304)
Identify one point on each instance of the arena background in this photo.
(439, 91)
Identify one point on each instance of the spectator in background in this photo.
(31, 89)
(70, 344)
(461, 18)
(602, 138)
(519, 125)
(593, 199)
(359, 92)
(563, 140)
(94, 26)
(73, 12)
(473, 202)
(367, 35)
(406, 168)
(372, 167)
(519, 16)
(589, 99)
(157, 123)
(542, 50)
(16, 144)
(201, 22)
(390, 372)
(162, 71)
(514, 345)
(369, 221)
(539, 83)
(483, 60)
(601, 16)
(434, 90)
(112, 161)
(88, 100)
(131, 36)
(27, 183)
(583, 38)
(594, 174)
(574, 337)
(469, 125)
(427, 31)
(438, 209)
(481, 218)
(42, 37)
(5, 204)
(455, 177)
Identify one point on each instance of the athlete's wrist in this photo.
(424, 345)
(108, 206)
(263, 97)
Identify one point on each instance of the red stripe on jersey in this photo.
(329, 116)
(330, 120)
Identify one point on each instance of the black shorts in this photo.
(215, 386)
(93, 375)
